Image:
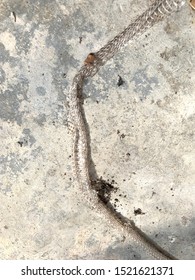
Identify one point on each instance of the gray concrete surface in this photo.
(142, 133)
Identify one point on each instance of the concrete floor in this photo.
(142, 132)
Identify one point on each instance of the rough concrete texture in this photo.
(142, 132)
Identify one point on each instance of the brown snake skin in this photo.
(156, 12)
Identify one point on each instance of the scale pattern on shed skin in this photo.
(156, 12)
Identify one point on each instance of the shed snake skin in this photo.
(81, 147)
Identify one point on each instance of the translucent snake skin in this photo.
(155, 13)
